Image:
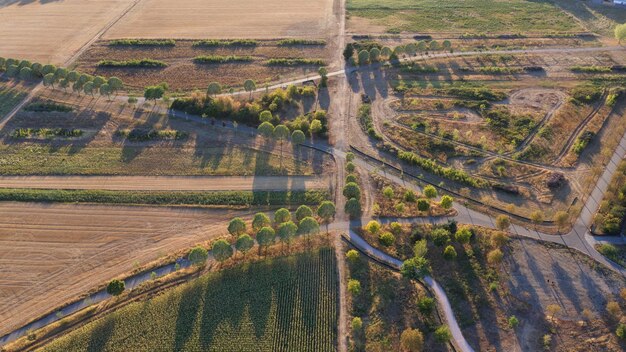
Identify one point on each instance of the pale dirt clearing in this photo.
(52, 254)
(166, 183)
(201, 19)
(51, 31)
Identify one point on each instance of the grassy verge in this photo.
(616, 253)
(34, 159)
(142, 42)
(281, 304)
(608, 219)
(223, 198)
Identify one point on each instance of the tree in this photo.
(357, 324)
(412, 340)
(348, 52)
(104, 89)
(326, 211)
(386, 52)
(308, 226)
(350, 167)
(442, 334)
(495, 256)
(552, 310)
(77, 87)
(266, 116)
(374, 54)
(298, 137)
(513, 322)
(116, 84)
(353, 208)
(503, 222)
(88, 88)
(281, 133)
(386, 239)
(265, 237)
(395, 228)
(213, 89)
(620, 32)
(116, 287)
(426, 305)
(446, 202)
(64, 83)
(281, 216)
(260, 220)
(352, 190)
(46, 69)
(430, 192)
(420, 248)
(364, 57)
(423, 205)
(98, 81)
(352, 255)
(26, 73)
(536, 217)
(410, 49)
(421, 46)
(561, 218)
(316, 127)
(302, 212)
(410, 196)
(266, 130)
(12, 71)
(373, 227)
(449, 253)
(323, 72)
(222, 250)
(154, 92)
(198, 255)
(463, 235)
(499, 239)
(354, 287)
(36, 67)
(72, 76)
(249, 86)
(244, 243)
(440, 237)
(614, 309)
(388, 192)
(287, 231)
(236, 227)
(433, 45)
(60, 73)
(415, 268)
(49, 80)
(447, 45)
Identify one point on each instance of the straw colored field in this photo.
(51, 31)
(283, 304)
(199, 19)
(54, 253)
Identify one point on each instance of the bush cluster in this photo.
(447, 172)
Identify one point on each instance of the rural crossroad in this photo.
(169, 183)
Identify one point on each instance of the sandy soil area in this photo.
(166, 183)
(50, 254)
(225, 19)
(51, 31)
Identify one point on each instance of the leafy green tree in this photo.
(36, 67)
(412, 340)
(449, 253)
(620, 32)
(352, 255)
(287, 231)
(298, 137)
(373, 227)
(24, 63)
(446, 202)
(420, 248)
(388, 192)
(353, 208)
(426, 305)
(357, 324)
(423, 205)
(421, 46)
(503, 222)
(308, 226)
(463, 235)
(348, 52)
(415, 268)
(104, 89)
(495, 256)
(352, 190)
(244, 243)
(77, 87)
(72, 76)
(447, 45)
(434, 45)
(281, 216)
(386, 239)
(410, 49)
(350, 167)
(560, 218)
(213, 89)
(386, 52)
(266, 130)
(60, 73)
(152, 92)
(12, 71)
(49, 80)
(266, 116)
(536, 217)
(621, 331)
(430, 192)
(364, 57)
(281, 133)
(84, 78)
(374, 54)
(26, 73)
(116, 84)
(316, 127)
(513, 322)
(249, 86)
(326, 211)
(98, 81)
(442, 334)
(440, 237)
(46, 69)
(323, 72)
(265, 237)
(236, 227)
(88, 88)
(116, 287)
(64, 83)
(351, 178)
(260, 220)
(354, 287)
(198, 255)
(222, 250)
(303, 211)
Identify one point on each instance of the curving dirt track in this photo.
(53, 254)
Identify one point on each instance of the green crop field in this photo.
(9, 98)
(282, 304)
(489, 16)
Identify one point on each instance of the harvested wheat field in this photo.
(199, 19)
(52, 254)
(52, 31)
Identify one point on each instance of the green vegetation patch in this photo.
(9, 98)
(295, 42)
(213, 43)
(616, 253)
(216, 59)
(142, 42)
(298, 61)
(205, 198)
(591, 69)
(472, 16)
(46, 132)
(141, 135)
(141, 63)
(281, 304)
(612, 209)
(48, 106)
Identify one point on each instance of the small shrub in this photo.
(386, 239)
(513, 322)
(442, 334)
(354, 287)
(426, 305)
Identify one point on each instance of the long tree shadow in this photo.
(188, 309)
(101, 335)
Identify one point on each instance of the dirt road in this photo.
(166, 183)
(53, 254)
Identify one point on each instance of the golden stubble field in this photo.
(199, 19)
(52, 254)
(52, 31)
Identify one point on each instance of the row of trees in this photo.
(380, 54)
(351, 190)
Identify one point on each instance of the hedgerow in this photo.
(48, 106)
(46, 132)
(216, 59)
(447, 172)
(140, 135)
(142, 63)
(142, 42)
(295, 62)
(210, 43)
(293, 42)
